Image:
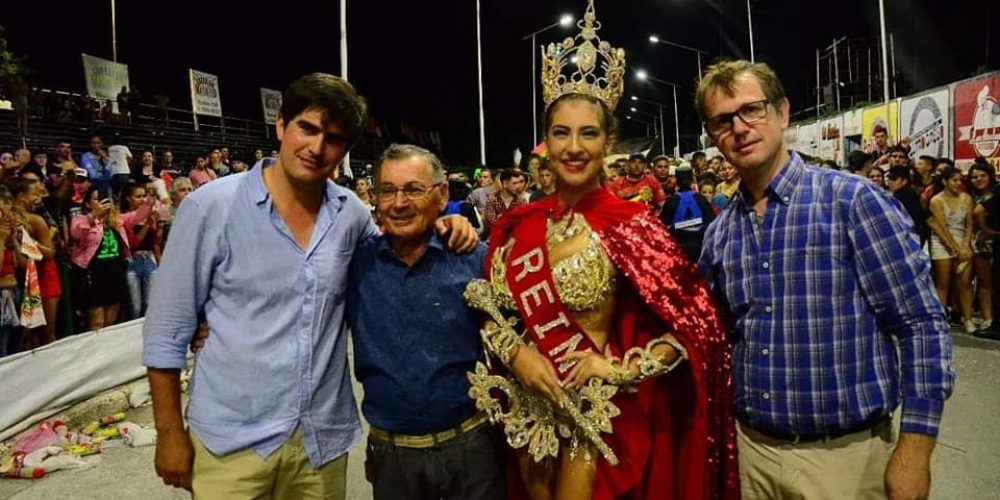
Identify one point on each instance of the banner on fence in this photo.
(977, 120)
(924, 120)
(105, 79)
(831, 142)
(271, 101)
(880, 116)
(205, 98)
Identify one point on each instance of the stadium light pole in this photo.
(114, 32)
(343, 69)
(479, 58)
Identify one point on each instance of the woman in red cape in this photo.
(673, 433)
(619, 385)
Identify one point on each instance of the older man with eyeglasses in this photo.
(415, 340)
(821, 278)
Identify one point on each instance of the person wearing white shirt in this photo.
(119, 160)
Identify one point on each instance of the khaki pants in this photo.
(848, 467)
(286, 474)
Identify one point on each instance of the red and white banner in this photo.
(977, 120)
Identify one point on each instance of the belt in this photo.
(872, 429)
(143, 253)
(428, 440)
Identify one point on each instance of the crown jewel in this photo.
(600, 68)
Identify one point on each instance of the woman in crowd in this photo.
(144, 240)
(11, 260)
(951, 243)
(152, 176)
(728, 184)
(622, 343)
(100, 255)
(362, 188)
(530, 165)
(200, 173)
(50, 277)
(987, 224)
(26, 191)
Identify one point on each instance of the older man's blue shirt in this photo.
(415, 340)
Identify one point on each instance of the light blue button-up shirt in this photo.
(276, 357)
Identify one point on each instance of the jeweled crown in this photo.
(600, 68)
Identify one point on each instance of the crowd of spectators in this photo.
(99, 220)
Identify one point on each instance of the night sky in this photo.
(416, 60)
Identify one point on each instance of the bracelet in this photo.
(648, 364)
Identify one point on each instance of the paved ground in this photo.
(966, 462)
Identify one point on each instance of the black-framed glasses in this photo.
(749, 113)
(412, 190)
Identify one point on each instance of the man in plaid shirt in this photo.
(821, 278)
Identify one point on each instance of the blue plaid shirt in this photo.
(815, 293)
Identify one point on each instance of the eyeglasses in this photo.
(749, 113)
(413, 190)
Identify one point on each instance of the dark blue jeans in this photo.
(467, 467)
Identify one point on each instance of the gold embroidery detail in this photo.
(649, 365)
(532, 420)
(587, 278)
(583, 281)
(501, 339)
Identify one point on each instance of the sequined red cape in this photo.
(675, 437)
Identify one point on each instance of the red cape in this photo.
(675, 437)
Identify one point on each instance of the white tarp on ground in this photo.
(43, 382)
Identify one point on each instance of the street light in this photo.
(565, 20)
(655, 39)
(663, 144)
(643, 75)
